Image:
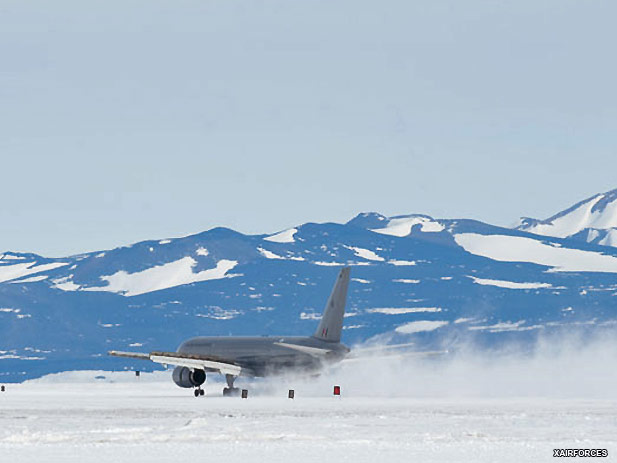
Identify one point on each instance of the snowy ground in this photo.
(150, 420)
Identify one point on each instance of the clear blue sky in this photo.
(128, 120)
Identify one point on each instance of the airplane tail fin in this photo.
(332, 320)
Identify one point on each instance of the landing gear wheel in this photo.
(202, 392)
(196, 392)
(230, 390)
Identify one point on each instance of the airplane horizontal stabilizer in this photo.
(369, 354)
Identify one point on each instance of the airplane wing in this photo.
(201, 362)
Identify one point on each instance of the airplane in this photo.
(258, 356)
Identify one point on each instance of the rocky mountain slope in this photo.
(593, 220)
(415, 279)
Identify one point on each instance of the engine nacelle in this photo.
(185, 377)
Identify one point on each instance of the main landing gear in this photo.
(230, 391)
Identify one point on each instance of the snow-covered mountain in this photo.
(414, 278)
(593, 220)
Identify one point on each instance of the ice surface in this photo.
(269, 254)
(157, 422)
(66, 284)
(175, 273)
(401, 262)
(582, 217)
(610, 239)
(402, 310)
(286, 236)
(8, 256)
(419, 326)
(473, 409)
(366, 254)
(202, 251)
(17, 312)
(217, 313)
(329, 264)
(402, 226)
(520, 249)
(505, 326)
(12, 272)
(509, 284)
(33, 279)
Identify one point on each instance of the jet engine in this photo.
(185, 377)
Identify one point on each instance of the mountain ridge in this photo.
(593, 220)
(414, 278)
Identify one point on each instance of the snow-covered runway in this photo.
(139, 421)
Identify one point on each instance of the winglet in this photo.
(332, 320)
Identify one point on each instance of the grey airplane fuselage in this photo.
(259, 356)
(266, 356)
